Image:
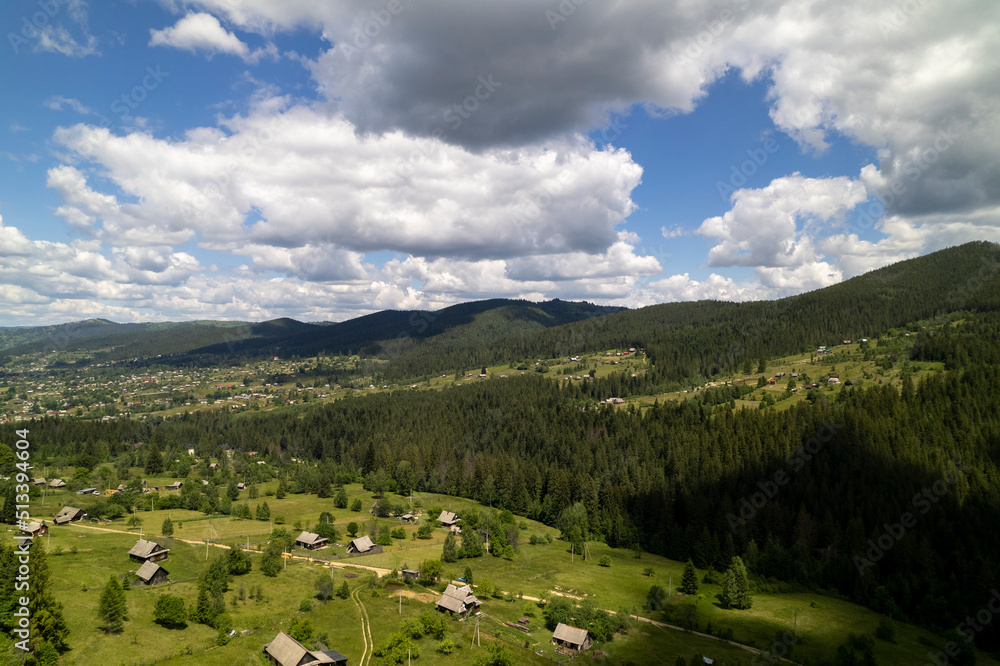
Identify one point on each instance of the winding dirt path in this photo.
(366, 628)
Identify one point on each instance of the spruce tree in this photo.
(154, 460)
(280, 492)
(112, 609)
(689, 580)
(340, 501)
(736, 587)
(450, 553)
(232, 492)
(168, 527)
(8, 513)
(47, 622)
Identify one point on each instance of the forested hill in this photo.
(216, 341)
(706, 338)
(813, 495)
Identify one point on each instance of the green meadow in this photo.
(83, 556)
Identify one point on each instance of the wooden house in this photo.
(571, 640)
(35, 528)
(310, 541)
(447, 518)
(363, 545)
(286, 651)
(151, 573)
(69, 514)
(458, 600)
(148, 551)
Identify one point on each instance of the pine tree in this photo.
(280, 492)
(232, 492)
(154, 460)
(112, 609)
(344, 591)
(8, 514)
(689, 580)
(340, 501)
(167, 529)
(450, 552)
(736, 587)
(47, 622)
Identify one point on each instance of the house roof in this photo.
(458, 592)
(68, 512)
(568, 634)
(289, 652)
(32, 527)
(454, 604)
(148, 570)
(447, 517)
(143, 548)
(362, 544)
(310, 538)
(56, 483)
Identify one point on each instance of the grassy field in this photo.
(541, 570)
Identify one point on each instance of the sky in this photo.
(321, 160)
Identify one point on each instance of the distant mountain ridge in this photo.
(683, 340)
(371, 333)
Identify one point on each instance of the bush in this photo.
(305, 606)
(886, 630)
(605, 561)
(447, 646)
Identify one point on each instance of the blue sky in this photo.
(245, 159)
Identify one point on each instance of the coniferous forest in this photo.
(887, 496)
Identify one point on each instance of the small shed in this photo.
(410, 573)
(310, 541)
(148, 551)
(69, 514)
(176, 485)
(571, 640)
(286, 651)
(151, 573)
(447, 518)
(57, 483)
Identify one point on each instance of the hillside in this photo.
(687, 341)
(378, 333)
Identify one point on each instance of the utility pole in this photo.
(670, 585)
